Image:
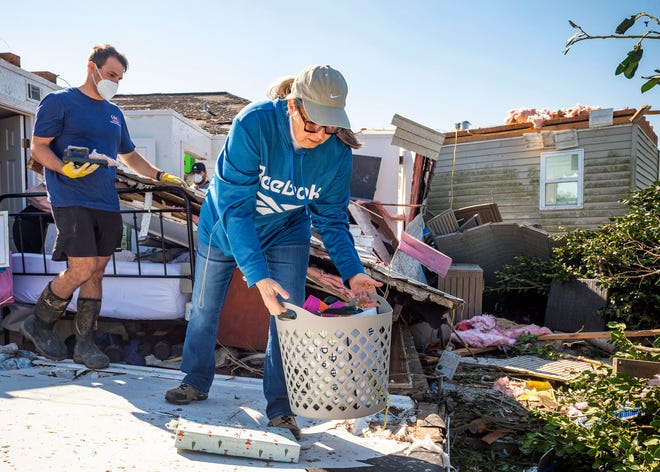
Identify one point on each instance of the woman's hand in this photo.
(269, 290)
(361, 286)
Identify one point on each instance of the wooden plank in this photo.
(407, 377)
(474, 350)
(635, 368)
(399, 378)
(598, 334)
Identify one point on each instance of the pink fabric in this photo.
(6, 287)
(482, 331)
(313, 304)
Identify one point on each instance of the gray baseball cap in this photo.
(323, 92)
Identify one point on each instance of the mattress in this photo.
(130, 298)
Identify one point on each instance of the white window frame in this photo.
(34, 92)
(545, 156)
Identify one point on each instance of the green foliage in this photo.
(627, 349)
(628, 66)
(527, 345)
(623, 256)
(528, 274)
(601, 439)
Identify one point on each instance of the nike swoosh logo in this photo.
(334, 96)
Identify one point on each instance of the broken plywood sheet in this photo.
(562, 370)
(493, 245)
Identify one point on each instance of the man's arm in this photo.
(139, 164)
(143, 167)
(42, 153)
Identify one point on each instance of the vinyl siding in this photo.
(617, 159)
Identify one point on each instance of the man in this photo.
(84, 201)
(200, 179)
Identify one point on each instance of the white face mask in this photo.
(197, 178)
(106, 88)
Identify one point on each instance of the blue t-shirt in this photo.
(265, 194)
(72, 118)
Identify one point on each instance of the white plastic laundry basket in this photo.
(336, 368)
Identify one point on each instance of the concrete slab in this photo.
(60, 416)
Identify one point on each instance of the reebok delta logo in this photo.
(266, 204)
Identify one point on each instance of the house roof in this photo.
(211, 111)
(627, 115)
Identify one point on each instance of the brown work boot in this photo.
(38, 328)
(86, 351)
(45, 340)
(184, 394)
(288, 422)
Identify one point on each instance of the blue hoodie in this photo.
(264, 192)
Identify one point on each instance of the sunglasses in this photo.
(312, 127)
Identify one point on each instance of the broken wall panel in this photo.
(493, 245)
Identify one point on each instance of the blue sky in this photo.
(435, 62)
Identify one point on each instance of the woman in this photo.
(286, 165)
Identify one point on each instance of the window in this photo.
(561, 179)
(34, 92)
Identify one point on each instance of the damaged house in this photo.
(570, 172)
(498, 192)
(433, 215)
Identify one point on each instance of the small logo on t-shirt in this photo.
(114, 120)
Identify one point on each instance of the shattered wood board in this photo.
(635, 368)
(395, 281)
(406, 372)
(562, 370)
(417, 290)
(399, 372)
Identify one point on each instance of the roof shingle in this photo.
(211, 111)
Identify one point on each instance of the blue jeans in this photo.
(287, 265)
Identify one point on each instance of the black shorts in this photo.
(84, 232)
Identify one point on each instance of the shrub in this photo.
(623, 256)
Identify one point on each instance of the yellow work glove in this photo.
(165, 177)
(73, 172)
